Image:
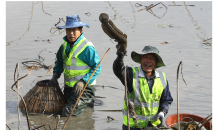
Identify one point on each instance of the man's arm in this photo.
(91, 58)
(119, 71)
(58, 68)
(165, 100)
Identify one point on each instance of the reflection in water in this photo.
(56, 29)
(113, 10)
(122, 19)
(84, 121)
(148, 8)
(206, 41)
(133, 13)
(9, 43)
(156, 5)
(50, 121)
(43, 9)
(38, 120)
(116, 14)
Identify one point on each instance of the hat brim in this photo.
(135, 55)
(74, 25)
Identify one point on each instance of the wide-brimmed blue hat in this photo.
(73, 21)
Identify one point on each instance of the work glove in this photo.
(161, 117)
(121, 54)
(54, 80)
(79, 87)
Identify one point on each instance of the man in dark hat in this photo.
(77, 58)
(148, 89)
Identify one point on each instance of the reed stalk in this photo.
(21, 95)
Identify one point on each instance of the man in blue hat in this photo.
(148, 89)
(77, 58)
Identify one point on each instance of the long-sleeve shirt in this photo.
(88, 56)
(119, 69)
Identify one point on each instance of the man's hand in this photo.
(79, 87)
(121, 54)
(54, 80)
(160, 115)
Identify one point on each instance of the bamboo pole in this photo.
(8, 126)
(83, 91)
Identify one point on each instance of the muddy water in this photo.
(30, 32)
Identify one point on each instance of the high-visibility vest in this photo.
(74, 68)
(146, 104)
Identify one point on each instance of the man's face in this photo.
(73, 34)
(148, 62)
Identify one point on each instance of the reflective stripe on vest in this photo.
(74, 68)
(143, 104)
(163, 81)
(150, 105)
(144, 118)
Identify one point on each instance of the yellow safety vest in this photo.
(74, 68)
(146, 103)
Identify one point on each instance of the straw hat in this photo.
(135, 55)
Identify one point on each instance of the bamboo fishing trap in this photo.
(43, 97)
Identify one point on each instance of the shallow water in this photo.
(29, 33)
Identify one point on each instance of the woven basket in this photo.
(43, 97)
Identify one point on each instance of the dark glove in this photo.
(121, 54)
(79, 87)
(54, 80)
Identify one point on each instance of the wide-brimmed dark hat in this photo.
(73, 21)
(147, 49)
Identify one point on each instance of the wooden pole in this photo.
(178, 120)
(17, 95)
(127, 106)
(83, 91)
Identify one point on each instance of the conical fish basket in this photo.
(43, 97)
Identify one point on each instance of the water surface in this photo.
(30, 32)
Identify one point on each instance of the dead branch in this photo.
(42, 126)
(108, 117)
(17, 85)
(21, 95)
(58, 122)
